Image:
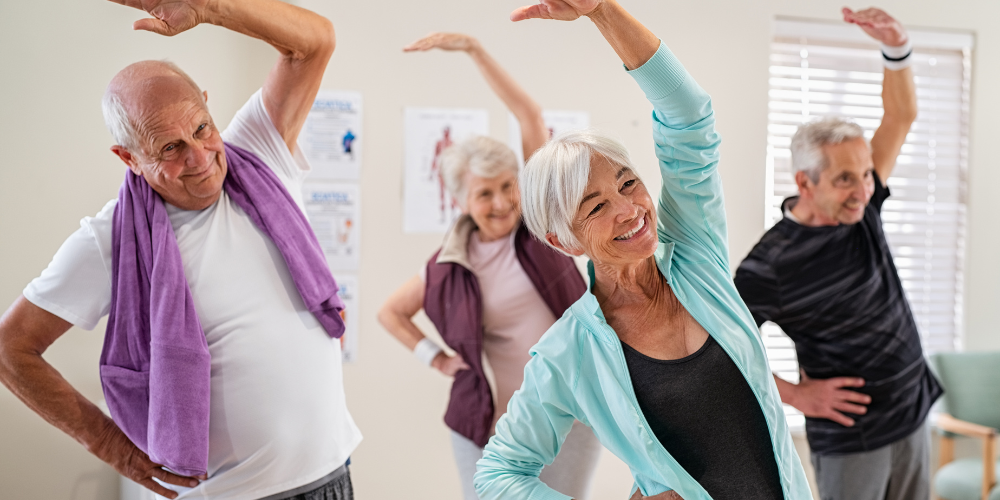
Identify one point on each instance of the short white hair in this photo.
(809, 139)
(116, 118)
(481, 156)
(553, 181)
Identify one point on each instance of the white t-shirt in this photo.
(278, 414)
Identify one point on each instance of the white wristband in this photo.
(897, 58)
(426, 351)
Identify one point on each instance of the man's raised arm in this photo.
(899, 94)
(305, 40)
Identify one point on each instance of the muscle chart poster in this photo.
(334, 210)
(427, 207)
(557, 122)
(332, 137)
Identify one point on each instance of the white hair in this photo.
(809, 139)
(481, 156)
(116, 118)
(554, 179)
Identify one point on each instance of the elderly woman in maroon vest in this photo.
(491, 289)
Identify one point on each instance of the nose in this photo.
(198, 155)
(625, 210)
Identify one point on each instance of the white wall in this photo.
(58, 56)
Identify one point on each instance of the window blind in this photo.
(820, 69)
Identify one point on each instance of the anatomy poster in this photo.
(331, 138)
(427, 206)
(334, 210)
(556, 121)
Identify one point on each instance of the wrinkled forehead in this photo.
(853, 155)
(159, 94)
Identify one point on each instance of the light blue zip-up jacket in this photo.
(578, 370)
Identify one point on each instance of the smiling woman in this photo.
(661, 358)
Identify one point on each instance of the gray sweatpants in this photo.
(897, 471)
(570, 473)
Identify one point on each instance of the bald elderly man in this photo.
(221, 365)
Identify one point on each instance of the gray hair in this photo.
(554, 179)
(809, 139)
(481, 156)
(116, 118)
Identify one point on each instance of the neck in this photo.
(808, 215)
(621, 285)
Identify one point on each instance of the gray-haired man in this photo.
(824, 273)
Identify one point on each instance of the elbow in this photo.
(327, 37)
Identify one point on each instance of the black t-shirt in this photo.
(704, 413)
(835, 291)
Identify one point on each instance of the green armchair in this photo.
(972, 399)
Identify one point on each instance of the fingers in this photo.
(840, 418)
(155, 487)
(528, 12)
(850, 408)
(171, 478)
(847, 382)
(425, 43)
(855, 397)
(154, 25)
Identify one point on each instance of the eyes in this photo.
(847, 179)
(626, 186)
(488, 193)
(169, 150)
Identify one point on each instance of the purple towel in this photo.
(155, 366)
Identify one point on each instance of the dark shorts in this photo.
(334, 486)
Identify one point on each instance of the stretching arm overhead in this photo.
(304, 39)
(899, 93)
(528, 113)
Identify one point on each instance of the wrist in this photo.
(600, 12)
(426, 351)
(897, 57)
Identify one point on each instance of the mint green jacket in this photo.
(578, 370)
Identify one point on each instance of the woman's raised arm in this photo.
(534, 133)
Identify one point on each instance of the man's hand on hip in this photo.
(117, 451)
(827, 398)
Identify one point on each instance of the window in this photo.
(821, 69)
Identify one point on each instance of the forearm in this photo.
(632, 41)
(525, 109)
(402, 327)
(295, 32)
(899, 96)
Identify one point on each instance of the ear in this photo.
(803, 182)
(128, 158)
(554, 241)
(204, 95)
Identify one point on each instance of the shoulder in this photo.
(252, 129)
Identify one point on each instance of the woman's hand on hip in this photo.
(449, 365)
(561, 10)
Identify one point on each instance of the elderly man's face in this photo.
(844, 186)
(616, 221)
(181, 155)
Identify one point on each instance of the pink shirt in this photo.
(514, 314)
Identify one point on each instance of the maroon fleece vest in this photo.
(453, 303)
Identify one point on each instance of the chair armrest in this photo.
(987, 434)
(951, 424)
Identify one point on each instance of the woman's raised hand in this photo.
(443, 41)
(561, 10)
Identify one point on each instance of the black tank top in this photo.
(704, 413)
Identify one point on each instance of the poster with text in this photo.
(556, 121)
(334, 210)
(427, 206)
(331, 137)
(348, 293)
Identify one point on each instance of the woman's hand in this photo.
(449, 365)
(444, 41)
(561, 10)
(666, 495)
